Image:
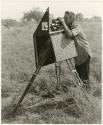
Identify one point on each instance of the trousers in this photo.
(84, 69)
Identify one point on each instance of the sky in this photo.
(15, 9)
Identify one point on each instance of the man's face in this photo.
(68, 19)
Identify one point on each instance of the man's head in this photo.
(69, 18)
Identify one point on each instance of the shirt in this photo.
(81, 44)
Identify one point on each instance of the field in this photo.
(18, 65)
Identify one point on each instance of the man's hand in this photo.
(61, 20)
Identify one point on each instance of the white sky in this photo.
(15, 8)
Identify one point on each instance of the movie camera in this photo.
(56, 25)
(51, 47)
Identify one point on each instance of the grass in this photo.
(18, 64)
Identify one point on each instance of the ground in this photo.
(18, 64)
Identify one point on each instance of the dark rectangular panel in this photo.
(42, 44)
(42, 41)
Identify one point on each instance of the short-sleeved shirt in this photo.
(81, 43)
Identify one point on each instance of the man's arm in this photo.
(67, 30)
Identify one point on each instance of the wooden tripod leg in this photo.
(32, 79)
(76, 76)
(72, 68)
(58, 73)
(27, 88)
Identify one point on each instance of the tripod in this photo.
(58, 72)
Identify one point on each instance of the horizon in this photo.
(16, 9)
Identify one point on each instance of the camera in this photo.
(56, 25)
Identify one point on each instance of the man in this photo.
(75, 32)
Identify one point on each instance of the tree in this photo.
(8, 23)
(96, 18)
(79, 17)
(35, 14)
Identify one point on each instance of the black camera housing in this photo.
(56, 25)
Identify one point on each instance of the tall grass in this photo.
(18, 64)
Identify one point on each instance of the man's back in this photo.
(81, 44)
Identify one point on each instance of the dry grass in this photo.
(18, 64)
